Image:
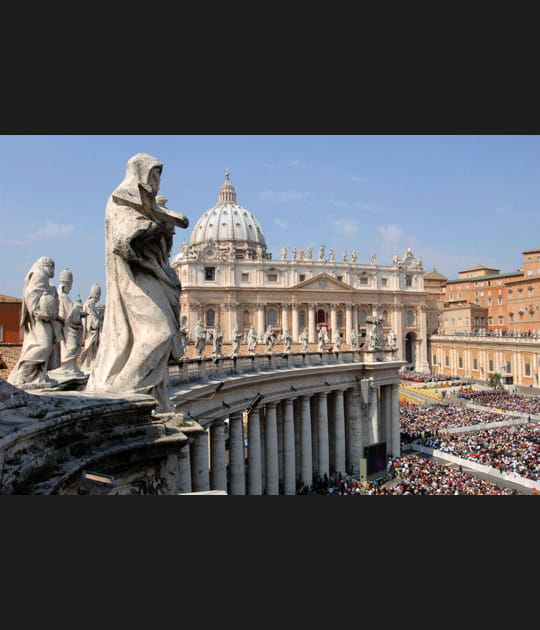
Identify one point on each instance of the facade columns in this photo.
(422, 363)
(260, 320)
(271, 450)
(285, 318)
(333, 321)
(373, 416)
(348, 323)
(306, 475)
(312, 328)
(397, 326)
(289, 464)
(200, 478)
(395, 449)
(237, 466)
(294, 324)
(254, 453)
(218, 470)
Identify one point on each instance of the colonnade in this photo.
(283, 444)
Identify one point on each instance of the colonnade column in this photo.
(312, 329)
(355, 318)
(289, 465)
(395, 450)
(352, 418)
(271, 450)
(184, 470)
(339, 432)
(254, 453)
(218, 471)
(294, 323)
(305, 433)
(323, 446)
(422, 364)
(200, 478)
(237, 468)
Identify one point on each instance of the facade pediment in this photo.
(322, 282)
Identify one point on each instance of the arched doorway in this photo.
(410, 345)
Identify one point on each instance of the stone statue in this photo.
(252, 339)
(42, 328)
(354, 339)
(73, 316)
(304, 341)
(184, 336)
(373, 259)
(309, 253)
(236, 340)
(283, 253)
(338, 338)
(287, 341)
(92, 325)
(374, 335)
(269, 339)
(331, 255)
(200, 339)
(321, 252)
(392, 340)
(395, 260)
(353, 256)
(322, 339)
(301, 255)
(141, 324)
(345, 256)
(293, 253)
(217, 341)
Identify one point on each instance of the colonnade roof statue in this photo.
(141, 330)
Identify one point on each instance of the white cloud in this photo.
(49, 230)
(284, 196)
(345, 226)
(390, 234)
(281, 224)
(294, 163)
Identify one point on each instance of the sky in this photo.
(456, 200)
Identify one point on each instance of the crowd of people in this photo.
(511, 449)
(424, 422)
(501, 399)
(417, 475)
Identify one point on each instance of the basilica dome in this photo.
(228, 223)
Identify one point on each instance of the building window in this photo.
(272, 277)
(447, 361)
(489, 301)
(460, 362)
(363, 316)
(1, 333)
(384, 282)
(475, 364)
(245, 277)
(434, 359)
(302, 277)
(272, 320)
(340, 278)
(410, 318)
(527, 369)
(363, 280)
(511, 315)
(508, 368)
(246, 319)
(339, 318)
(210, 317)
(301, 319)
(491, 365)
(209, 274)
(499, 301)
(408, 281)
(501, 319)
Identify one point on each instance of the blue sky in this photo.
(456, 200)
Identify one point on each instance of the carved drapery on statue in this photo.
(141, 324)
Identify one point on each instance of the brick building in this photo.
(10, 317)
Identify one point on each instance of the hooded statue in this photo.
(141, 324)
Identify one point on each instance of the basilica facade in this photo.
(230, 280)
